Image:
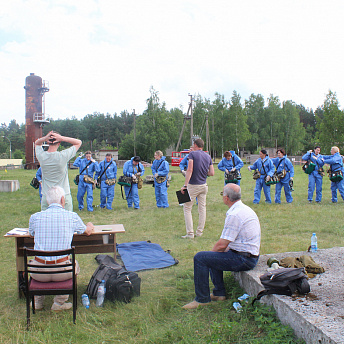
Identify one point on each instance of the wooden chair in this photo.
(34, 287)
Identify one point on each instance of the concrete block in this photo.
(316, 320)
(9, 185)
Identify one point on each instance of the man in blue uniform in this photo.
(160, 169)
(285, 168)
(39, 178)
(315, 179)
(133, 168)
(107, 176)
(230, 163)
(183, 165)
(265, 167)
(87, 168)
(336, 163)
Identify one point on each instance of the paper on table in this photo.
(18, 231)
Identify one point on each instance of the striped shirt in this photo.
(54, 228)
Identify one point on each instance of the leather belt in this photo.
(245, 254)
(50, 262)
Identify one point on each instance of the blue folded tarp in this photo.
(143, 255)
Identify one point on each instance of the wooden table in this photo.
(94, 243)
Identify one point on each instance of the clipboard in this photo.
(183, 198)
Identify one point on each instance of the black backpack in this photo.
(120, 284)
(103, 272)
(284, 281)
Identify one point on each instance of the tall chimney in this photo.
(34, 116)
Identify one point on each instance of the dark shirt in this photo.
(201, 163)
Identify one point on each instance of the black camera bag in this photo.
(122, 286)
(284, 281)
(34, 183)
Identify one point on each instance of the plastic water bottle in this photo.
(85, 301)
(237, 306)
(101, 294)
(314, 243)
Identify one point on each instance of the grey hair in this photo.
(233, 192)
(159, 152)
(55, 194)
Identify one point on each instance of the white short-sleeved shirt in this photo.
(242, 229)
(54, 168)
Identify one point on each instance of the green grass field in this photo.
(156, 316)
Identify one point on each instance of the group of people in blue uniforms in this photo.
(281, 166)
(104, 175)
(265, 168)
(315, 177)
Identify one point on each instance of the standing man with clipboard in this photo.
(200, 166)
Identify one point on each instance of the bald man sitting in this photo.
(236, 250)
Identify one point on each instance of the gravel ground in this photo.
(318, 318)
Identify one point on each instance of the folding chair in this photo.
(34, 287)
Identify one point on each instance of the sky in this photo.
(104, 55)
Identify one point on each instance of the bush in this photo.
(18, 154)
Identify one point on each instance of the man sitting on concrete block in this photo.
(236, 250)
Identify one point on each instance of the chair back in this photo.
(34, 287)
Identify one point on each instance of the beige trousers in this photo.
(59, 299)
(199, 191)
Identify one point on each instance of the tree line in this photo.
(234, 124)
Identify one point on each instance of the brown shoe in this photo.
(194, 304)
(217, 298)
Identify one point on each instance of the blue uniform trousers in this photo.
(215, 263)
(107, 194)
(82, 189)
(287, 191)
(337, 185)
(260, 183)
(315, 181)
(133, 197)
(161, 194)
(40, 193)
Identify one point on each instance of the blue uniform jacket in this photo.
(311, 156)
(335, 161)
(183, 165)
(284, 163)
(268, 165)
(39, 174)
(111, 171)
(129, 169)
(90, 170)
(228, 164)
(160, 167)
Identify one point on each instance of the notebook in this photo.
(183, 198)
